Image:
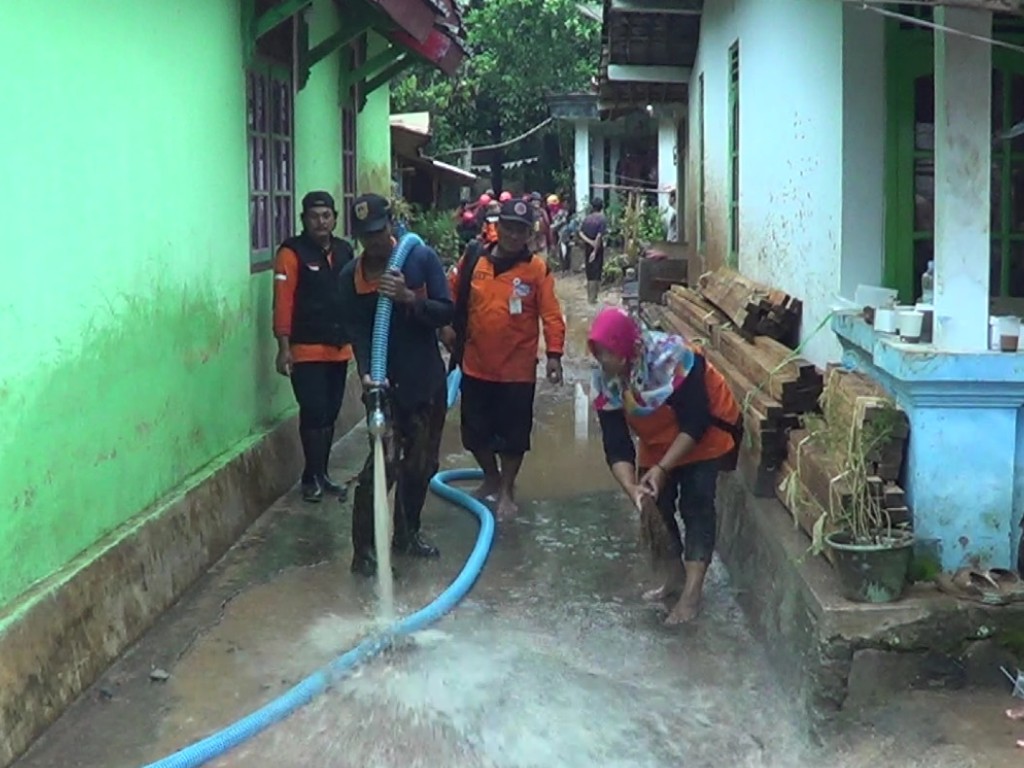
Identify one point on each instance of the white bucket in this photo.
(910, 321)
(1008, 331)
(886, 320)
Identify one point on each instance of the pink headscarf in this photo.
(617, 332)
(658, 364)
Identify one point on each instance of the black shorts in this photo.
(497, 416)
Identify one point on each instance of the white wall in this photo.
(863, 149)
(791, 142)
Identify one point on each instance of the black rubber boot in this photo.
(312, 488)
(329, 485)
(365, 563)
(415, 545)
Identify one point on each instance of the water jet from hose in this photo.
(241, 731)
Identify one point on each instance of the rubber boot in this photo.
(407, 539)
(312, 489)
(329, 485)
(593, 286)
(364, 563)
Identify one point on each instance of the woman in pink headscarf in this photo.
(663, 391)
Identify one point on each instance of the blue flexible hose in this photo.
(382, 320)
(237, 733)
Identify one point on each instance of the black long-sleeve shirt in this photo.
(689, 402)
(415, 369)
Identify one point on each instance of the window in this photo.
(701, 222)
(271, 123)
(734, 153)
(355, 56)
(270, 129)
(910, 160)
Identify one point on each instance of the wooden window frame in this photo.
(270, 139)
(355, 56)
(734, 153)
(910, 56)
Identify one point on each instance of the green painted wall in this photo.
(373, 159)
(137, 344)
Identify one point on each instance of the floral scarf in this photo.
(658, 364)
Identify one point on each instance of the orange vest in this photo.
(658, 430)
(500, 345)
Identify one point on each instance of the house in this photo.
(820, 165)
(856, 157)
(155, 155)
(423, 181)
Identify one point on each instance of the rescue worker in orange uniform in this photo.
(416, 393)
(503, 296)
(688, 429)
(312, 349)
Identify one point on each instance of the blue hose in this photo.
(219, 743)
(382, 320)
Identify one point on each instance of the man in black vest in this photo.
(311, 346)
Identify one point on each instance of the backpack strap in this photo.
(461, 320)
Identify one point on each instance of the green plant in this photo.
(652, 225)
(614, 268)
(854, 507)
(437, 228)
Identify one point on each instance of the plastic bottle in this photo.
(928, 284)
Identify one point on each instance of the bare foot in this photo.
(685, 610)
(506, 508)
(663, 592)
(487, 491)
(1016, 713)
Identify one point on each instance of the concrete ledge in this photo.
(57, 639)
(822, 644)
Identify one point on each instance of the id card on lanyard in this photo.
(515, 301)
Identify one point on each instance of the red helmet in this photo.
(504, 197)
(467, 217)
(484, 199)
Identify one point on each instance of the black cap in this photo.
(518, 211)
(370, 213)
(318, 199)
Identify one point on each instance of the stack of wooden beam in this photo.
(755, 309)
(772, 386)
(816, 478)
(857, 407)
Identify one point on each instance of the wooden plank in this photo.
(801, 504)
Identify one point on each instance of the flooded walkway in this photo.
(552, 660)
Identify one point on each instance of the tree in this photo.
(521, 50)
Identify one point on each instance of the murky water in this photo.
(552, 660)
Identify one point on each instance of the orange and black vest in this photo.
(316, 318)
(658, 430)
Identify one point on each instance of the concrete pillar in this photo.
(963, 130)
(667, 133)
(600, 171)
(581, 165)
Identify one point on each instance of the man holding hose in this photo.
(415, 391)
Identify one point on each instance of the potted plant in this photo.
(871, 555)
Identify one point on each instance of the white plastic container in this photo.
(1008, 332)
(910, 322)
(886, 320)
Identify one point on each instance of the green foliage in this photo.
(521, 51)
(651, 225)
(437, 228)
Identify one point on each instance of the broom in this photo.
(655, 535)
